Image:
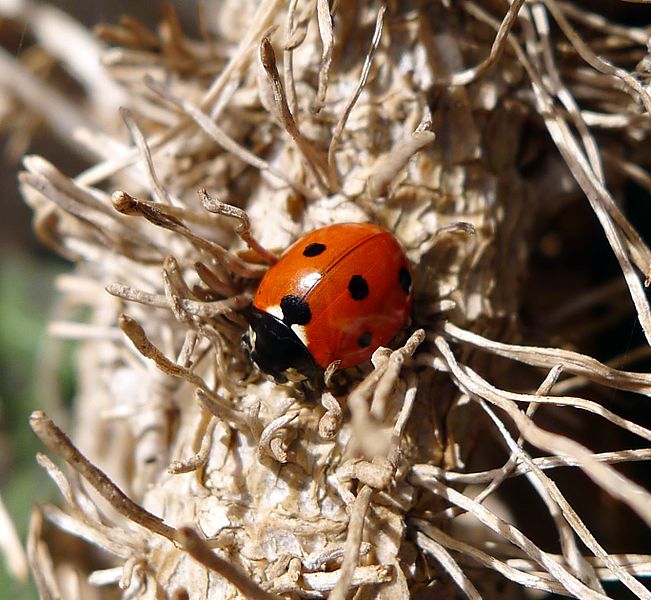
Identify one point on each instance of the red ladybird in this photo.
(337, 293)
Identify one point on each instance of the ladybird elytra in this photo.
(338, 293)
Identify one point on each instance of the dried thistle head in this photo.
(460, 128)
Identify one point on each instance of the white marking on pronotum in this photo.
(299, 330)
(275, 311)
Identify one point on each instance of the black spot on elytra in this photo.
(313, 249)
(358, 287)
(364, 340)
(295, 310)
(404, 278)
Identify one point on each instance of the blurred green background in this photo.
(26, 296)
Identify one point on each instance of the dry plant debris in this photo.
(460, 126)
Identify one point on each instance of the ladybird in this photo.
(336, 294)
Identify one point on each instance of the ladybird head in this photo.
(276, 350)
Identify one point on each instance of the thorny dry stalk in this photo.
(463, 127)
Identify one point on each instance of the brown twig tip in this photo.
(124, 203)
(129, 325)
(267, 54)
(36, 417)
(134, 331)
(210, 203)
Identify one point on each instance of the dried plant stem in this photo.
(62, 483)
(314, 162)
(572, 362)
(282, 488)
(201, 552)
(270, 434)
(158, 190)
(92, 532)
(262, 20)
(325, 581)
(341, 124)
(288, 60)
(330, 422)
(79, 331)
(429, 533)
(637, 564)
(244, 227)
(55, 108)
(363, 421)
(632, 85)
(194, 462)
(635, 245)
(564, 95)
(128, 205)
(618, 486)
(353, 542)
(450, 566)
(564, 516)
(219, 135)
(139, 339)
(59, 443)
(233, 70)
(212, 280)
(544, 463)
(185, 537)
(635, 34)
(578, 403)
(501, 39)
(600, 199)
(40, 560)
(324, 19)
(638, 174)
(569, 582)
(194, 307)
(511, 463)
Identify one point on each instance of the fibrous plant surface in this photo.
(469, 129)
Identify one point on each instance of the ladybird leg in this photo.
(243, 228)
